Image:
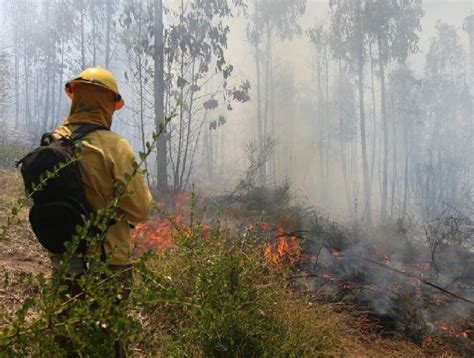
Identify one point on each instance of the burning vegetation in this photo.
(409, 283)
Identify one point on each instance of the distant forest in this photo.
(364, 132)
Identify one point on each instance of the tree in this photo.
(5, 95)
(182, 59)
(443, 170)
(406, 108)
(350, 37)
(194, 56)
(269, 19)
(320, 39)
(137, 41)
(393, 26)
(159, 97)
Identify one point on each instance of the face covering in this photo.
(92, 104)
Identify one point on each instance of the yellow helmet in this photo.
(100, 77)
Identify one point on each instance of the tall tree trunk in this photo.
(180, 127)
(159, 91)
(383, 209)
(326, 125)
(374, 118)
(27, 89)
(272, 117)
(365, 166)
(267, 90)
(17, 79)
(60, 82)
(321, 130)
(107, 32)
(259, 99)
(394, 174)
(189, 127)
(44, 125)
(142, 98)
(341, 142)
(83, 45)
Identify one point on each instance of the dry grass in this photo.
(21, 255)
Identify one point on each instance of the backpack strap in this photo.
(85, 129)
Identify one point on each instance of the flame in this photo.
(286, 249)
(158, 233)
(336, 253)
(155, 234)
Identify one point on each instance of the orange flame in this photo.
(155, 235)
(287, 249)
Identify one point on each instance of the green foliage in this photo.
(225, 299)
(210, 296)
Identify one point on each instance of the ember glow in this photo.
(451, 329)
(336, 253)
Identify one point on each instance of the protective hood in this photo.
(91, 104)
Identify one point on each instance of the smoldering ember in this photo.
(301, 182)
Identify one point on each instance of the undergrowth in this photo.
(209, 296)
(212, 295)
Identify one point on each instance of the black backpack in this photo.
(60, 204)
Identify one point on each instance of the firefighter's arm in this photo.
(135, 204)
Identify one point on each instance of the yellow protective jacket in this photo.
(104, 159)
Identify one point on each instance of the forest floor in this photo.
(21, 254)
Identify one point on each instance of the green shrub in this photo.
(229, 301)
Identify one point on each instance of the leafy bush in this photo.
(236, 304)
(209, 296)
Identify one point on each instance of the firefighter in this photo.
(104, 159)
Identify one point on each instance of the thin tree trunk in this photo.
(259, 99)
(44, 125)
(321, 130)
(272, 116)
(17, 79)
(159, 91)
(142, 106)
(107, 32)
(180, 130)
(83, 49)
(27, 90)
(61, 73)
(341, 141)
(189, 127)
(394, 173)
(365, 167)
(374, 118)
(383, 209)
(326, 126)
(94, 41)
